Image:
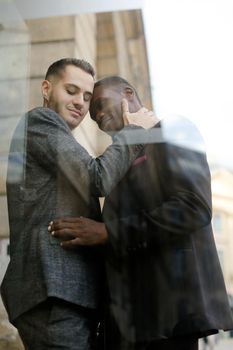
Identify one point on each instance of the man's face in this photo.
(106, 108)
(70, 95)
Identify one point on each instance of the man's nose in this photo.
(78, 99)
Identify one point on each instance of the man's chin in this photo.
(73, 124)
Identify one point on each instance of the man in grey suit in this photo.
(166, 287)
(52, 295)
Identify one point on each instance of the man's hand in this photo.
(78, 231)
(143, 117)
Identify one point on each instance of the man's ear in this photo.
(129, 93)
(46, 88)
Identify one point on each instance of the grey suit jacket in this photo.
(49, 176)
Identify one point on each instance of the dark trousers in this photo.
(114, 340)
(58, 325)
(187, 343)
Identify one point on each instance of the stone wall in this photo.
(14, 53)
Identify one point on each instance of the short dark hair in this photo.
(116, 81)
(58, 67)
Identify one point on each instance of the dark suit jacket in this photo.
(49, 176)
(163, 270)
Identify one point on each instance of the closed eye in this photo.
(98, 106)
(71, 91)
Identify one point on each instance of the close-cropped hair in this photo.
(58, 67)
(114, 81)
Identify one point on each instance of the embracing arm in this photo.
(51, 143)
(177, 203)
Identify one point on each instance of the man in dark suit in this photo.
(52, 295)
(165, 283)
